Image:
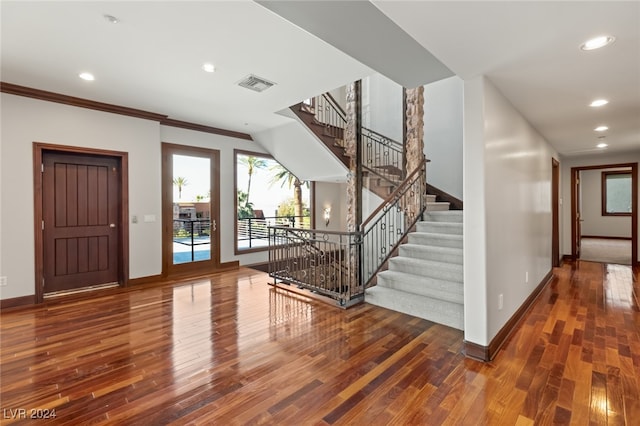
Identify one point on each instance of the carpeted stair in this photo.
(426, 278)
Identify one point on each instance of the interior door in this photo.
(578, 204)
(80, 196)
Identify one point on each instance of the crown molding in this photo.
(30, 92)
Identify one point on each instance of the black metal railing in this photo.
(389, 224)
(253, 232)
(381, 155)
(192, 232)
(321, 261)
(330, 114)
(342, 265)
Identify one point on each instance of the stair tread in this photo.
(439, 235)
(450, 314)
(443, 224)
(448, 286)
(435, 264)
(427, 247)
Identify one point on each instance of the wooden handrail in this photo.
(391, 196)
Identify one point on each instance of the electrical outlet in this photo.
(500, 301)
(526, 277)
(134, 219)
(3, 281)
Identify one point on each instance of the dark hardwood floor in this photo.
(229, 349)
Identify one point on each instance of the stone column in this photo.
(414, 147)
(352, 149)
(414, 121)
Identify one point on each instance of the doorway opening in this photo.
(600, 230)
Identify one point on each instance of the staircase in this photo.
(328, 128)
(426, 278)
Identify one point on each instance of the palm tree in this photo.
(252, 164)
(245, 210)
(180, 182)
(281, 174)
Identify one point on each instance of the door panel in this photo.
(80, 210)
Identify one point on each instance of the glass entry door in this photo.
(190, 209)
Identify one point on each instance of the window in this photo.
(616, 193)
(267, 194)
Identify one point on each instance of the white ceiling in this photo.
(151, 60)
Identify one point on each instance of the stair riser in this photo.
(434, 240)
(451, 273)
(436, 207)
(439, 311)
(440, 227)
(448, 216)
(450, 292)
(427, 253)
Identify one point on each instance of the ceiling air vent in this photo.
(255, 83)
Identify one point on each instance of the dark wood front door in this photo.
(81, 196)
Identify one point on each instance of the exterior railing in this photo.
(192, 232)
(253, 232)
(320, 261)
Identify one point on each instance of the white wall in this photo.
(333, 195)
(340, 96)
(595, 224)
(595, 159)
(301, 152)
(382, 106)
(25, 121)
(508, 178)
(443, 134)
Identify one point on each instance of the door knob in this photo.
(112, 225)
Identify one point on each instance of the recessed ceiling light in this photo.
(601, 128)
(87, 76)
(208, 67)
(599, 102)
(111, 19)
(597, 42)
(602, 145)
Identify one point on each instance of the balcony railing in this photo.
(192, 232)
(253, 232)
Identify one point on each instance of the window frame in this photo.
(312, 200)
(605, 175)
